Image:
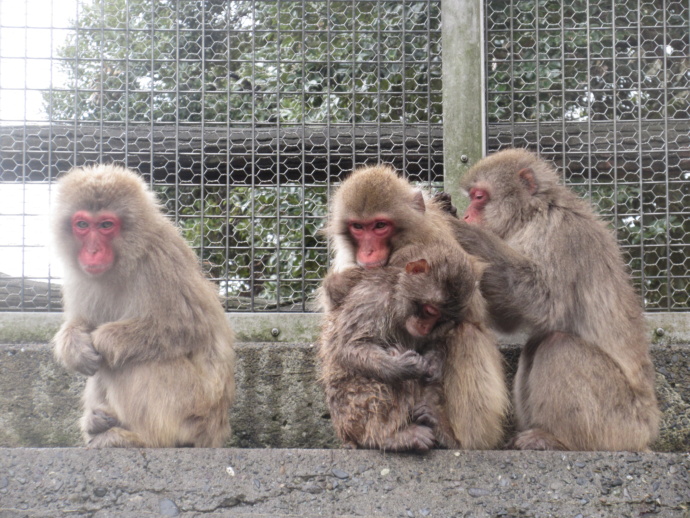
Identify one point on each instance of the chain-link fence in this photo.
(242, 114)
(602, 88)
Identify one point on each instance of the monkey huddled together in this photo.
(544, 263)
(408, 357)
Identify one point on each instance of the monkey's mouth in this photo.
(95, 269)
(373, 264)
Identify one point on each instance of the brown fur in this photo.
(474, 388)
(585, 378)
(150, 333)
(383, 384)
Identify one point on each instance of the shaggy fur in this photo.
(150, 333)
(475, 397)
(585, 379)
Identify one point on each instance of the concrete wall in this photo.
(279, 403)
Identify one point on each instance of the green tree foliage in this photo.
(265, 63)
(243, 61)
(607, 82)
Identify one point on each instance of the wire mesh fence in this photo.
(242, 115)
(602, 88)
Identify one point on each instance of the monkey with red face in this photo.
(141, 320)
(376, 216)
(585, 379)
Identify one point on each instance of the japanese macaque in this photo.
(375, 217)
(585, 379)
(142, 322)
(384, 343)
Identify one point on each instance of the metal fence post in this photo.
(463, 90)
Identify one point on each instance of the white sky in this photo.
(30, 33)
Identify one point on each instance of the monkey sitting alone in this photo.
(142, 322)
(384, 342)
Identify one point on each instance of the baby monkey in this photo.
(383, 346)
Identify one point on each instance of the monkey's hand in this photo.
(74, 349)
(434, 367)
(123, 341)
(412, 365)
(444, 202)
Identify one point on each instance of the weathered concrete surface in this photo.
(27, 327)
(279, 404)
(310, 483)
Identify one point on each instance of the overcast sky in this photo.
(31, 32)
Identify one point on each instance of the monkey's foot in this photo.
(536, 439)
(99, 421)
(425, 416)
(117, 437)
(413, 438)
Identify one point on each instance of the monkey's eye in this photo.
(357, 226)
(107, 224)
(381, 224)
(81, 224)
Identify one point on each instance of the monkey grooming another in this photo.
(383, 345)
(375, 216)
(585, 380)
(142, 322)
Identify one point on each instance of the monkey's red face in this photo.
(95, 232)
(421, 325)
(372, 238)
(478, 200)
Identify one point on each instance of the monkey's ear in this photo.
(418, 201)
(528, 180)
(415, 267)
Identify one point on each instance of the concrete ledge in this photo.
(311, 483)
(25, 328)
(279, 404)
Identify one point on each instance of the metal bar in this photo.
(463, 92)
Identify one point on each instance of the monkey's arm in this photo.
(337, 285)
(388, 365)
(74, 349)
(511, 282)
(146, 339)
(477, 398)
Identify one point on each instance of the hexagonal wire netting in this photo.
(602, 88)
(241, 114)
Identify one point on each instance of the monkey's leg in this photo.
(576, 397)
(475, 391)
(169, 404)
(430, 412)
(117, 437)
(98, 416)
(411, 438)
(377, 416)
(98, 421)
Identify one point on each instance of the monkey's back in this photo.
(364, 410)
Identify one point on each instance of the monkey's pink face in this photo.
(95, 233)
(372, 238)
(478, 199)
